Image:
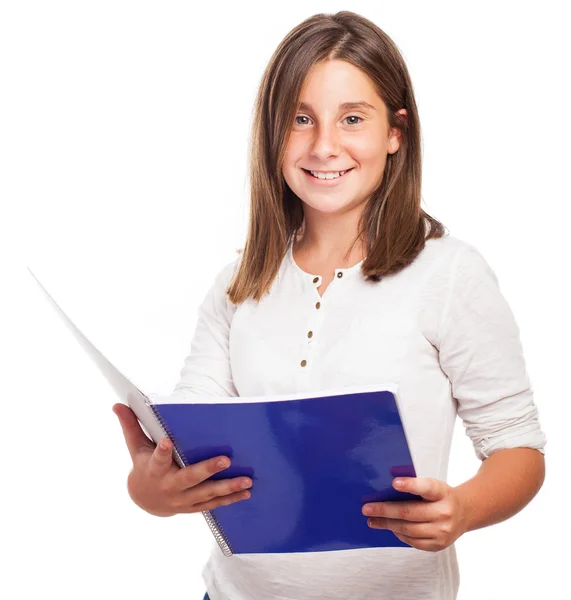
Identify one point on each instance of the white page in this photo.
(127, 392)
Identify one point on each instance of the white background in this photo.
(124, 187)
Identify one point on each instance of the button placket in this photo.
(312, 329)
(315, 321)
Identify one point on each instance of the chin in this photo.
(328, 207)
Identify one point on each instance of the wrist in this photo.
(465, 512)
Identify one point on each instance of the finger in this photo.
(135, 437)
(161, 459)
(413, 510)
(413, 530)
(222, 501)
(427, 544)
(429, 489)
(192, 475)
(213, 489)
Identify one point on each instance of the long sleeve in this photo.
(481, 353)
(207, 367)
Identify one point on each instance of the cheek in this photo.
(369, 151)
(288, 174)
(291, 158)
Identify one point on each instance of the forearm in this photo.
(505, 483)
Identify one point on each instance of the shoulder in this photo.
(451, 263)
(454, 254)
(225, 273)
(446, 246)
(459, 282)
(221, 281)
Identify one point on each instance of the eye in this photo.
(349, 117)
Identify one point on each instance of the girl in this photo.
(345, 280)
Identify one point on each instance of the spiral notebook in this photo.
(314, 459)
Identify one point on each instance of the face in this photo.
(329, 137)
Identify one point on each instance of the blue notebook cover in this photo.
(314, 461)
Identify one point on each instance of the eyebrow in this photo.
(344, 106)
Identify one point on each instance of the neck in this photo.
(330, 239)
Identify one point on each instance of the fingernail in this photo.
(368, 510)
(163, 446)
(222, 463)
(398, 482)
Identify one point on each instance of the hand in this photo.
(431, 524)
(157, 485)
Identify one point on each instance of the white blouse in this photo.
(440, 329)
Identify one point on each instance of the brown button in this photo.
(310, 334)
(339, 274)
(303, 363)
(318, 305)
(315, 279)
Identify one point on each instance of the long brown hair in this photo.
(393, 223)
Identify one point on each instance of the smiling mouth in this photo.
(338, 177)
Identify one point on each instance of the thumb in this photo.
(429, 489)
(135, 437)
(161, 459)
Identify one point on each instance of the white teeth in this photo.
(331, 175)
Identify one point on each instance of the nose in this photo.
(325, 143)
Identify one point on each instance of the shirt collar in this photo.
(290, 263)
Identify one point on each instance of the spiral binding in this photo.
(211, 520)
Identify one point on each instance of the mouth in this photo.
(331, 181)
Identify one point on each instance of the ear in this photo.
(395, 138)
